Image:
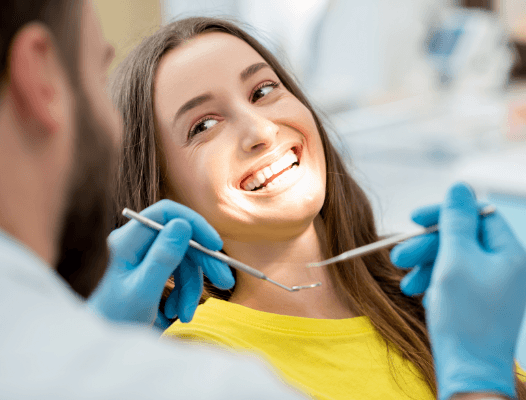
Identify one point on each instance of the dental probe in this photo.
(381, 244)
(216, 254)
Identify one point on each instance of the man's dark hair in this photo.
(62, 17)
(83, 253)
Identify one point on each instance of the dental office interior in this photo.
(419, 93)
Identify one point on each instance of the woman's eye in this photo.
(202, 126)
(263, 90)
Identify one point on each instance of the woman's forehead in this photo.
(208, 54)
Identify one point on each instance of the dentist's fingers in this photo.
(458, 218)
(170, 305)
(417, 281)
(161, 321)
(190, 286)
(427, 215)
(496, 234)
(216, 271)
(195, 263)
(419, 250)
(164, 255)
(135, 239)
(202, 231)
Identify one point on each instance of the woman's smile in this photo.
(273, 174)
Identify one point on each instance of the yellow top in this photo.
(325, 358)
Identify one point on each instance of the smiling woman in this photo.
(213, 121)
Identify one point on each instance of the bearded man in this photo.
(58, 136)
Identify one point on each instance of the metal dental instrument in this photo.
(218, 255)
(381, 244)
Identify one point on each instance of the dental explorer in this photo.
(218, 255)
(381, 244)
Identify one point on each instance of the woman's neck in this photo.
(285, 263)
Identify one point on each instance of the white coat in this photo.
(52, 347)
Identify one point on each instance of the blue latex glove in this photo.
(476, 298)
(142, 259)
(418, 253)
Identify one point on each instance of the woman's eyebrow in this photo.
(251, 70)
(196, 101)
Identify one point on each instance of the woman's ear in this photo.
(38, 82)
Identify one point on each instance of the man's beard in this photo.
(83, 250)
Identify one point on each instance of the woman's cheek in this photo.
(206, 183)
(298, 117)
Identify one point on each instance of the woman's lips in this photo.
(267, 174)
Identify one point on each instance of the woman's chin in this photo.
(284, 210)
(276, 224)
(270, 230)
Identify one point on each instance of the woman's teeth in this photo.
(267, 173)
(284, 177)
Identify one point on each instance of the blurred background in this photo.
(419, 93)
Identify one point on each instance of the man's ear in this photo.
(37, 81)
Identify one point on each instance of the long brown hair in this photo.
(369, 285)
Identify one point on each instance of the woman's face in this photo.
(240, 149)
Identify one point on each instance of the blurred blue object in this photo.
(441, 46)
(443, 42)
(470, 46)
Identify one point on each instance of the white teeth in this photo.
(267, 172)
(264, 174)
(283, 162)
(261, 178)
(294, 157)
(286, 175)
(270, 185)
(275, 167)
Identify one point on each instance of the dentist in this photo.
(58, 133)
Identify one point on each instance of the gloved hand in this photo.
(418, 253)
(142, 259)
(476, 298)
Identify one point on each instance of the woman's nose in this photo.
(257, 131)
